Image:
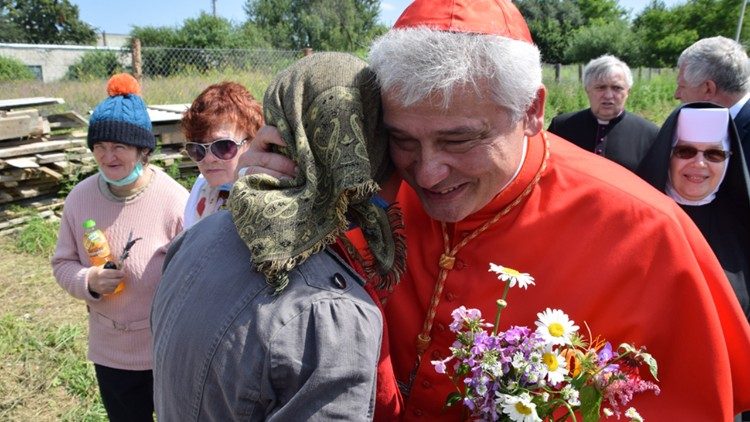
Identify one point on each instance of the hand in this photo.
(103, 281)
(259, 158)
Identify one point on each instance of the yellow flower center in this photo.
(523, 409)
(556, 329)
(550, 360)
(511, 272)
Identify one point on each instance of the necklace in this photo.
(448, 259)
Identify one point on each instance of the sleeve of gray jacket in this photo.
(323, 362)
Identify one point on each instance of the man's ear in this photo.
(709, 89)
(534, 118)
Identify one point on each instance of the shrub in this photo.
(99, 64)
(14, 70)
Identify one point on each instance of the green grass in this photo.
(44, 373)
(38, 237)
(83, 96)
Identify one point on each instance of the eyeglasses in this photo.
(223, 149)
(714, 155)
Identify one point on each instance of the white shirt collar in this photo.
(735, 109)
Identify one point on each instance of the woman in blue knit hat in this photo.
(128, 199)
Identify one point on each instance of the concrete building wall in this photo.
(52, 61)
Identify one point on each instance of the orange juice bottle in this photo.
(97, 247)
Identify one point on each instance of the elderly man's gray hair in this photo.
(418, 63)
(719, 59)
(604, 67)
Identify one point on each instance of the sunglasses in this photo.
(714, 155)
(223, 149)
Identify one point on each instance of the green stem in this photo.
(501, 304)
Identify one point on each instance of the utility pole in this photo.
(213, 7)
(739, 21)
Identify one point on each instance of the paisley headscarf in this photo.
(327, 109)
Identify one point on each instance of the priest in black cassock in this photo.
(606, 128)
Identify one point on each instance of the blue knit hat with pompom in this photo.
(122, 117)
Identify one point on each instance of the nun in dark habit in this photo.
(697, 160)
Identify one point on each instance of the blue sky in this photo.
(118, 17)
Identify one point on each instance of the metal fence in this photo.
(60, 62)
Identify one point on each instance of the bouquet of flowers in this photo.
(550, 373)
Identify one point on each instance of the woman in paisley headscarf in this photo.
(697, 160)
(267, 321)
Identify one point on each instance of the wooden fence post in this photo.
(558, 69)
(137, 69)
(307, 51)
(580, 72)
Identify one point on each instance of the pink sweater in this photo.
(119, 331)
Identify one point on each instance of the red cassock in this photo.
(604, 247)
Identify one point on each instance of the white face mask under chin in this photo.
(130, 178)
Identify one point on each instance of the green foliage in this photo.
(38, 237)
(661, 35)
(151, 36)
(338, 25)
(44, 22)
(612, 38)
(13, 70)
(551, 24)
(199, 46)
(598, 12)
(54, 357)
(98, 64)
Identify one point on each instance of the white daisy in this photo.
(520, 408)
(512, 276)
(554, 365)
(555, 327)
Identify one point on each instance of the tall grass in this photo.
(83, 96)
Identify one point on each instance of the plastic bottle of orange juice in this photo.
(97, 247)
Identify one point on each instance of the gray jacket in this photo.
(226, 349)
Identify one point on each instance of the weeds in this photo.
(38, 237)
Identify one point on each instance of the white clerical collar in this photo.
(735, 109)
(606, 122)
(520, 163)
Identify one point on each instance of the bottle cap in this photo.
(89, 224)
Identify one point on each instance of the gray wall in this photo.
(54, 60)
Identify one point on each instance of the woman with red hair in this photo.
(219, 126)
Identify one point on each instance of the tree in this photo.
(662, 35)
(44, 22)
(600, 12)
(614, 38)
(551, 22)
(341, 25)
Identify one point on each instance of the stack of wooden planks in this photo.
(42, 155)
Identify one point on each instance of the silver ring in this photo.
(241, 172)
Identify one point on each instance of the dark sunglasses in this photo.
(223, 149)
(714, 155)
